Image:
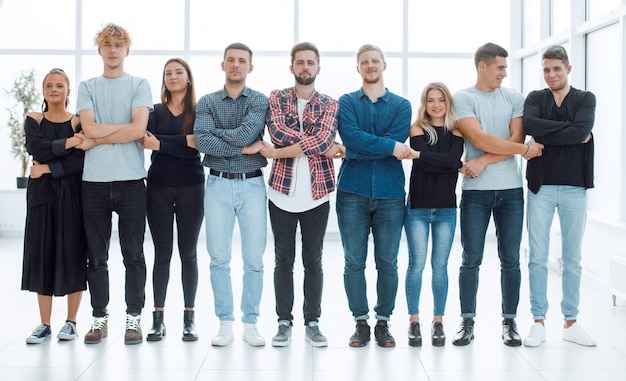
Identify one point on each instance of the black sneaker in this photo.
(361, 334)
(382, 335)
(41, 333)
(415, 335)
(437, 334)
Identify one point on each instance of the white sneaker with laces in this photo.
(577, 334)
(251, 335)
(224, 335)
(536, 336)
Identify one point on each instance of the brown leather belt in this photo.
(236, 176)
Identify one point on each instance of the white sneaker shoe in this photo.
(251, 335)
(577, 334)
(224, 335)
(536, 336)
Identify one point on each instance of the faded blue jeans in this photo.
(356, 216)
(571, 204)
(507, 207)
(224, 202)
(417, 225)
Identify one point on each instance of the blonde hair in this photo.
(423, 119)
(367, 48)
(112, 32)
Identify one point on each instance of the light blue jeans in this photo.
(417, 225)
(226, 200)
(571, 205)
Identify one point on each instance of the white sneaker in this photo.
(224, 335)
(536, 336)
(251, 335)
(577, 334)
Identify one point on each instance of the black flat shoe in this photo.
(510, 336)
(465, 335)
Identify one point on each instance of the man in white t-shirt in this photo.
(302, 124)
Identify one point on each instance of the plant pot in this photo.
(22, 182)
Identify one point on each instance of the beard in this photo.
(372, 80)
(304, 81)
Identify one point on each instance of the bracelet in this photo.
(527, 149)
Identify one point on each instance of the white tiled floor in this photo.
(172, 359)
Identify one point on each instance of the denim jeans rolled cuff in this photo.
(507, 208)
(356, 215)
(380, 317)
(362, 317)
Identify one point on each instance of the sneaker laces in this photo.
(314, 329)
(98, 323)
(132, 322)
(68, 328)
(40, 330)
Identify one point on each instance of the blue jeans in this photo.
(128, 200)
(356, 215)
(244, 200)
(507, 207)
(417, 226)
(312, 228)
(571, 204)
(186, 204)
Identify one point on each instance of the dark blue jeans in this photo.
(507, 207)
(187, 205)
(313, 229)
(356, 215)
(128, 200)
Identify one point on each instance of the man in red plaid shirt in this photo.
(302, 124)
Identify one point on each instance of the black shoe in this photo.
(382, 335)
(189, 327)
(437, 334)
(510, 336)
(158, 328)
(465, 335)
(361, 335)
(415, 335)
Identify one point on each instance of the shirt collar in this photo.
(224, 94)
(384, 97)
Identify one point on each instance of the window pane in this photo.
(474, 22)
(151, 24)
(532, 22)
(25, 24)
(601, 78)
(601, 7)
(346, 25)
(532, 74)
(561, 14)
(216, 24)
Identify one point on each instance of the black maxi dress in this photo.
(55, 248)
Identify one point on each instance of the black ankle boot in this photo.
(189, 328)
(158, 327)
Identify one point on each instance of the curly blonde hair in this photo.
(112, 32)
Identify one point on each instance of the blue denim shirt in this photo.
(370, 131)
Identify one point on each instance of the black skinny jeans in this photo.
(313, 228)
(187, 205)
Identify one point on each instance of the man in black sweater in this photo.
(561, 118)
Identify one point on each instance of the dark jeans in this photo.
(313, 228)
(128, 200)
(187, 204)
(507, 207)
(356, 215)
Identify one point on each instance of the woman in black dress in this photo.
(54, 240)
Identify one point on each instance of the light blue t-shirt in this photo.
(494, 110)
(112, 101)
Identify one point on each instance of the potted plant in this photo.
(26, 94)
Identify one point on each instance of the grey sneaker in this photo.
(314, 336)
(99, 330)
(68, 332)
(283, 336)
(39, 334)
(133, 330)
